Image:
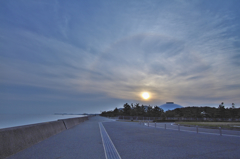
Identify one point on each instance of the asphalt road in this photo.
(131, 140)
(137, 141)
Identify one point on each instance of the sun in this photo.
(145, 95)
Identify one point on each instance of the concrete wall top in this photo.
(15, 139)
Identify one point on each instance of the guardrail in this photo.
(15, 139)
(193, 129)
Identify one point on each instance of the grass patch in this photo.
(159, 121)
(224, 125)
(128, 120)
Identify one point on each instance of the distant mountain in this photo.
(170, 106)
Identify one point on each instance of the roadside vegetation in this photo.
(226, 125)
(187, 113)
(135, 110)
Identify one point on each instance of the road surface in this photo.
(131, 140)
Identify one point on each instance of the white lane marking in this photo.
(109, 148)
(194, 131)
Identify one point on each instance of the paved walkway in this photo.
(82, 141)
(131, 141)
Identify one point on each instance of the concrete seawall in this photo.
(15, 139)
(72, 121)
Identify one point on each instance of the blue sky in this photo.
(91, 56)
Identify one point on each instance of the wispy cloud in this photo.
(180, 51)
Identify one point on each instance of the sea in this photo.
(13, 120)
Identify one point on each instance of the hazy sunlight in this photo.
(145, 95)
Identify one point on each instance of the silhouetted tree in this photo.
(116, 111)
(157, 112)
(137, 109)
(127, 109)
(233, 106)
(149, 111)
(221, 110)
(142, 111)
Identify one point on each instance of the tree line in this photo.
(185, 112)
(135, 110)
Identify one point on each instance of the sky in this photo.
(90, 56)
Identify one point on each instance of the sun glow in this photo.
(145, 95)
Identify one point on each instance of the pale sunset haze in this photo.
(89, 56)
(119, 79)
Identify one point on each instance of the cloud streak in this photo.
(104, 51)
